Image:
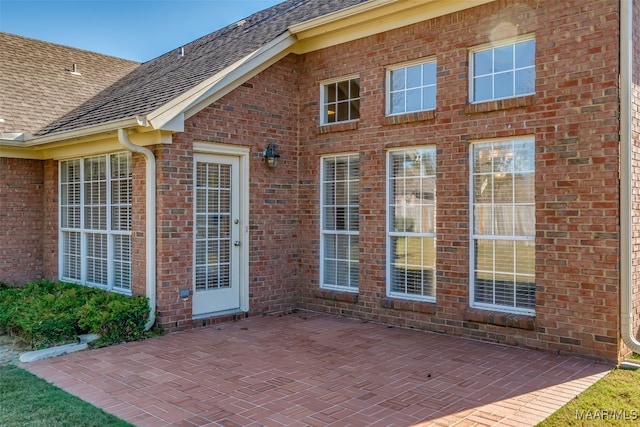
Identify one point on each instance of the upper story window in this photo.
(411, 87)
(503, 71)
(340, 100)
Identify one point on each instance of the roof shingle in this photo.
(36, 84)
(127, 89)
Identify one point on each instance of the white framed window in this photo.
(503, 70)
(503, 225)
(339, 237)
(340, 100)
(411, 87)
(411, 212)
(95, 221)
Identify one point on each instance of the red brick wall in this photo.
(174, 231)
(50, 216)
(573, 117)
(21, 223)
(260, 111)
(138, 225)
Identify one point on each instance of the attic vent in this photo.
(241, 23)
(74, 70)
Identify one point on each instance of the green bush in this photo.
(49, 313)
(115, 318)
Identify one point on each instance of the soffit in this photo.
(371, 18)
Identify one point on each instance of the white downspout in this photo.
(150, 209)
(626, 177)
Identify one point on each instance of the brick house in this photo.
(467, 167)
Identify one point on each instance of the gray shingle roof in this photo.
(142, 89)
(36, 86)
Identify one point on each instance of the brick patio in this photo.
(310, 369)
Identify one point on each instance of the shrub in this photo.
(115, 318)
(47, 313)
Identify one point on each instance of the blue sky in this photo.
(139, 30)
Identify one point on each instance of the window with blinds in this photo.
(213, 224)
(95, 221)
(503, 225)
(340, 199)
(411, 240)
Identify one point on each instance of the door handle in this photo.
(236, 243)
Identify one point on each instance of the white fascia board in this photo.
(84, 132)
(90, 140)
(106, 143)
(371, 18)
(349, 12)
(19, 152)
(221, 83)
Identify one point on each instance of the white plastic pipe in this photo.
(626, 177)
(150, 210)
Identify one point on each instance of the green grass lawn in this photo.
(612, 401)
(26, 400)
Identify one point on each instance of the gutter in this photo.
(626, 177)
(29, 141)
(150, 210)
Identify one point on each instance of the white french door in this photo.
(217, 234)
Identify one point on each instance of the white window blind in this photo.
(411, 213)
(213, 225)
(503, 226)
(95, 221)
(71, 256)
(340, 222)
(70, 199)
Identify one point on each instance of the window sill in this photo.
(501, 104)
(498, 318)
(337, 127)
(399, 119)
(336, 295)
(409, 305)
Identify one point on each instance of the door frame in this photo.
(243, 155)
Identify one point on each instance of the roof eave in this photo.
(371, 18)
(350, 12)
(33, 141)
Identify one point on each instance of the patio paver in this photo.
(311, 369)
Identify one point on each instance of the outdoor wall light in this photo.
(271, 156)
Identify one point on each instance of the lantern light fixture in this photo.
(271, 156)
